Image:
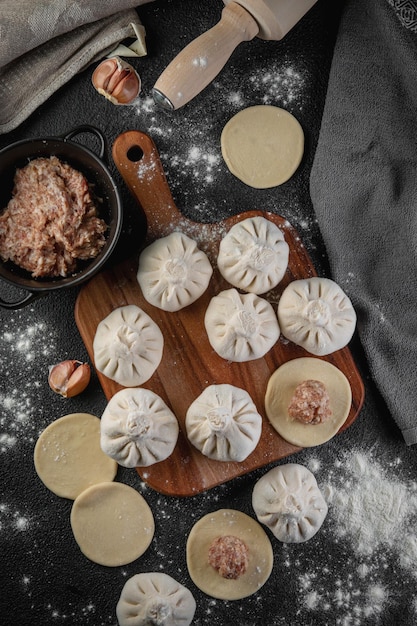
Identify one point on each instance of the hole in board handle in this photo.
(135, 154)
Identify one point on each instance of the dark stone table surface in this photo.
(360, 568)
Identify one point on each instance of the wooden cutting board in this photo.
(189, 364)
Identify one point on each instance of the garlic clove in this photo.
(69, 378)
(117, 81)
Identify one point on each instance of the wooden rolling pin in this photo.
(200, 62)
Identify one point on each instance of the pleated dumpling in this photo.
(240, 327)
(316, 314)
(155, 598)
(128, 346)
(223, 423)
(173, 272)
(138, 428)
(253, 256)
(288, 500)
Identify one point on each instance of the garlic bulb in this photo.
(117, 81)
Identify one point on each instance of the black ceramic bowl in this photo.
(83, 159)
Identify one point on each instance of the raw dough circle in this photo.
(240, 327)
(253, 255)
(155, 598)
(173, 272)
(224, 423)
(68, 457)
(128, 346)
(221, 523)
(262, 145)
(316, 314)
(288, 501)
(137, 428)
(279, 392)
(112, 524)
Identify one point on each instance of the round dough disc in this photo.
(112, 524)
(280, 390)
(260, 555)
(68, 457)
(262, 145)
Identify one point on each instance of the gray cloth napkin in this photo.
(364, 190)
(44, 44)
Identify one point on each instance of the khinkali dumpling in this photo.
(155, 598)
(173, 272)
(288, 501)
(316, 314)
(223, 423)
(137, 428)
(128, 346)
(240, 327)
(253, 256)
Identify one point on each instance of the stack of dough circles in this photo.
(155, 598)
(253, 256)
(137, 428)
(316, 314)
(223, 423)
(229, 523)
(280, 390)
(173, 272)
(288, 501)
(240, 327)
(112, 524)
(68, 457)
(262, 145)
(128, 346)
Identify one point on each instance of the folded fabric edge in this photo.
(410, 436)
(95, 50)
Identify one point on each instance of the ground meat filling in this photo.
(310, 403)
(229, 556)
(51, 222)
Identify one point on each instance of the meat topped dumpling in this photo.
(229, 555)
(307, 401)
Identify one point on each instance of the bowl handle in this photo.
(19, 304)
(86, 128)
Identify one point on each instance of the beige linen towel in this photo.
(43, 45)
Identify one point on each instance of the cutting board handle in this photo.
(200, 62)
(137, 159)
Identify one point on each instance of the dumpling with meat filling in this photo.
(316, 314)
(253, 256)
(128, 346)
(241, 327)
(137, 428)
(288, 501)
(173, 272)
(223, 423)
(155, 598)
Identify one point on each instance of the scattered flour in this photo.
(191, 153)
(25, 344)
(372, 522)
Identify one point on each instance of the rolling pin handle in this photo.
(200, 62)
